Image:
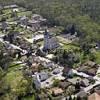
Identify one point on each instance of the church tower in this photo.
(50, 42)
(46, 40)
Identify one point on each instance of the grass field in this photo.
(28, 98)
(70, 47)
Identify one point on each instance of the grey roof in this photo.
(43, 76)
(56, 71)
(82, 94)
(11, 6)
(85, 82)
(23, 18)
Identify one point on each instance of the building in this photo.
(1, 7)
(56, 91)
(50, 42)
(67, 72)
(4, 25)
(39, 78)
(13, 6)
(82, 95)
(36, 22)
(48, 64)
(24, 21)
(85, 82)
(64, 84)
(94, 96)
(11, 37)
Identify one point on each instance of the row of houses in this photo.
(35, 22)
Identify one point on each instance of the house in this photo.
(24, 20)
(4, 25)
(43, 76)
(57, 91)
(90, 64)
(11, 6)
(82, 95)
(67, 71)
(36, 22)
(1, 7)
(56, 71)
(97, 89)
(64, 84)
(89, 68)
(35, 67)
(50, 56)
(84, 82)
(74, 80)
(39, 78)
(94, 96)
(11, 36)
(50, 42)
(38, 17)
(47, 64)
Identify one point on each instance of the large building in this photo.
(36, 22)
(50, 42)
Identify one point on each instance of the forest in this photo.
(83, 14)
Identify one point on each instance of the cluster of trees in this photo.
(13, 85)
(66, 57)
(83, 14)
(4, 57)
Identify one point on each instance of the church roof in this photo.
(48, 33)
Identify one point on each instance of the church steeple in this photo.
(46, 32)
(50, 41)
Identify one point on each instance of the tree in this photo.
(56, 82)
(4, 87)
(72, 30)
(5, 58)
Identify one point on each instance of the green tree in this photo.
(56, 83)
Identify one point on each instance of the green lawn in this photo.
(40, 42)
(70, 47)
(14, 67)
(6, 11)
(26, 13)
(28, 98)
(13, 78)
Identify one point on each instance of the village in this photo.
(38, 50)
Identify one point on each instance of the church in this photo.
(50, 42)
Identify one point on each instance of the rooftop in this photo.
(94, 96)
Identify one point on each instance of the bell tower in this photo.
(46, 40)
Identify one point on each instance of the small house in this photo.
(84, 82)
(94, 96)
(39, 78)
(57, 91)
(11, 6)
(64, 85)
(24, 20)
(67, 71)
(36, 22)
